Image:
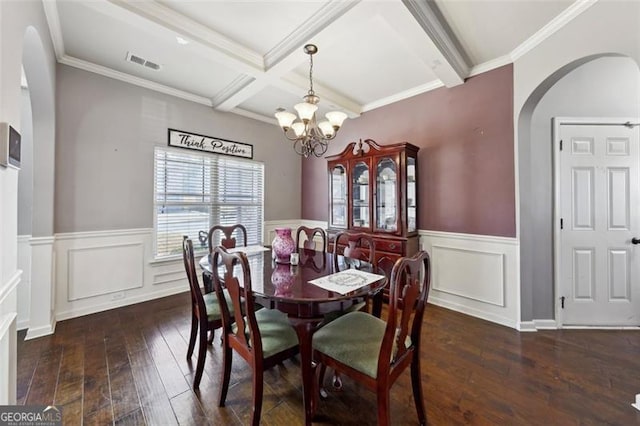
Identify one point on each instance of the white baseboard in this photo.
(45, 330)
(22, 325)
(536, 325)
(119, 303)
(474, 312)
(547, 324)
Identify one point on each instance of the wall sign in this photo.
(182, 139)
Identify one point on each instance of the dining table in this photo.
(287, 288)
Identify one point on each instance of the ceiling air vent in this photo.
(143, 62)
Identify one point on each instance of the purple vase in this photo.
(283, 279)
(283, 245)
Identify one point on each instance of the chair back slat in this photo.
(409, 289)
(197, 301)
(235, 265)
(310, 242)
(228, 241)
(355, 245)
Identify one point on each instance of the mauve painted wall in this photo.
(466, 159)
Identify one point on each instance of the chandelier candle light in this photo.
(308, 136)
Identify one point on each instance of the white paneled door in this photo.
(599, 264)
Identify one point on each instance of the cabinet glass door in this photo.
(411, 195)
(338, 197)
(360, 195)
(386, 195)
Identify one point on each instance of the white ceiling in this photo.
(246, 56)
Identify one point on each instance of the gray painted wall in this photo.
(106, 134)
(25, 176)
(605, 87)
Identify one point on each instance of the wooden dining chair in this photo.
(205, 312)
(310, 243)
(357, 246)
(374, 352)
(228, 241)
(264, 337)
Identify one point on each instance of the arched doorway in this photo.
(605, 85)
(41, 94)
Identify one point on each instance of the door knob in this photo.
(635, 240)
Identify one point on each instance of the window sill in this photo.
(170, 259)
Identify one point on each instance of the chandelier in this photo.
(309, 136)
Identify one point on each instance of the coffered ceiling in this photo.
(246, 56)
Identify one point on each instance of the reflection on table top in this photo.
(290, 283)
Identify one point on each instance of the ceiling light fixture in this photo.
(308, 136)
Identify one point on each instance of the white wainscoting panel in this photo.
(24, 288)
(93, 271)
(43, 287)
(475, 274)
(481, 279)
(8, 338)
(101, 270)
(8, 360)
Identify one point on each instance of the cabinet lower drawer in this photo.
(389, 246)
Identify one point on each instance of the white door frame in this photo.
(557, 214)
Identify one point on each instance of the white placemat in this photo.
(248, 250)
(346, 281)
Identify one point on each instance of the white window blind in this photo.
(195, 191)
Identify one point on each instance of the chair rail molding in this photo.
(269, 228)
(475, 274)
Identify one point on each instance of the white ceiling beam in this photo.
(285, 57)
(236, 92)
(450, 65)
(308, 29)
(223, 50)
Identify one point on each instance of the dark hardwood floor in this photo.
(127, 366)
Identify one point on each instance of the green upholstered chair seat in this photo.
(353, 339)
(333, 315)
(275, 330)
(213, 307)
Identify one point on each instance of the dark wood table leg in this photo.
(376, 304)
(305, 330)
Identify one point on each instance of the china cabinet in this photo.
(373, 189)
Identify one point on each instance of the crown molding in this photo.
(128, 78)
(551, 27)
(255, 116)
(316, 23)
(437, 30)
(432, 85)
(55, 29)
(490, 65)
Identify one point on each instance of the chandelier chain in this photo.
(309, 137)
(311, 92)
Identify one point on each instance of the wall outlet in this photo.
(117, 296)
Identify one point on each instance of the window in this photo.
(193, 192)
